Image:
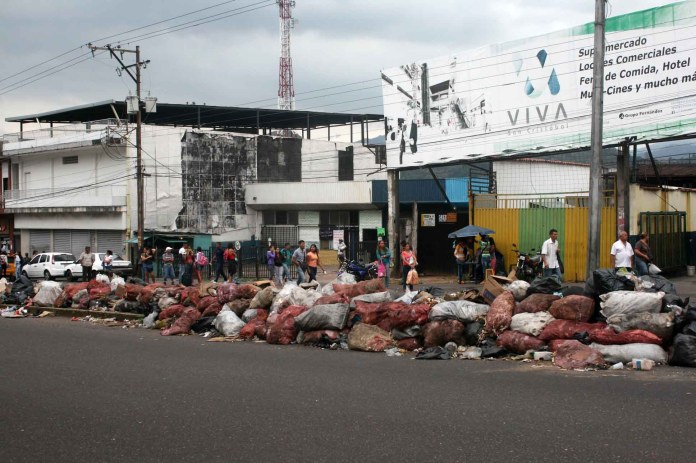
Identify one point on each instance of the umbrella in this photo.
(470, 230)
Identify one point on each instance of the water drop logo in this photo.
(535, 87)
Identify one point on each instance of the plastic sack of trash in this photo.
(212, 310)
(171, 311)
(464, 311)
(627, 352)
(519, 343)
(332, 299)
(440, 332)
(683, 351)
(410, 332)
(609, 337)
(281, 299)
(499, 315)
(238, 306)
(362, 287)
(531, 323)
(303, 297)
(48, 293)
(149, 321)
(574, 355)
(625, 302)
(228, 323)
(409, 344)
(101, 278)
(323, 317)
(264, 298)
(226, 292)
(371, 313)
(165, 302)
(343, 278)
(182, 325)
(400, 315)
(369, 338)
(384, 296)
(317, 337)
(578, 308)
(659, 283)
(253, 328)
(99, 291)
(127, 306)
(518, 288)
(117, 281)
(407, 297)
(606, 280)
(282, 330)
(537, 302)
(544, 285)
(568, 329)
(660, 324)
(654, 269)
(250, 314)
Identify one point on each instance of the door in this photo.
(79, 240)
(110, 240)
(39, 240)
(31, 265)
(61, 241)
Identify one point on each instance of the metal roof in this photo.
(194, 115)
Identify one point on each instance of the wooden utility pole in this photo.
(596, 197)
(393, 218)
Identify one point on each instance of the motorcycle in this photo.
(360, 271)
(529, 265)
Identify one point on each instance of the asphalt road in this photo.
(73, 392)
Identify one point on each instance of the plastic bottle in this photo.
(642, 364)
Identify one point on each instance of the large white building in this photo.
(211, 174)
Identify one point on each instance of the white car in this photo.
(119, 266)
(48, 265)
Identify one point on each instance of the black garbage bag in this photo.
(203, 324)
(573, 291)
(472, 332)
(690, 329)
(673, 299)
(660, 284)
(683, 351)
(23, 285)
(690, 315)
(489, 349)
(606, 280)
(136, 281)
(434, 353)
(544, 285)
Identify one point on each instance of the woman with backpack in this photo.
(200, 263)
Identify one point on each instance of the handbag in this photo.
(412, 277)
(381, 270)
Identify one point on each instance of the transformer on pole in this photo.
(286, 88)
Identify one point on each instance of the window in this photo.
(269, 217)
(43, 258)
(69, 159)
(35, 260)
(345, 164)
(280, 218)
(338, 218)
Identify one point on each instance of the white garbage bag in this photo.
(165, 302)
(374, 297)
(518, 288)
(149, 321)
(617, 302)
(323, 317)
(48, 293)
(303, 297)
(408, 296)
(464, 311)
(627, 352)
(660, 324)
(283, 295)
(228, 323)
(531, 323)
(117, 281)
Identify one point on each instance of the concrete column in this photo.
(623, 178)
(414, 233)
(393, 218)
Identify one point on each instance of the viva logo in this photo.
(535, 91)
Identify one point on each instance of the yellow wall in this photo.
(650, 199)
(505, 222)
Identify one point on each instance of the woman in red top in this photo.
(230, 257)
(408, 262)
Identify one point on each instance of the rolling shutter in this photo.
(79, 240)
(111, 240)
(61, 241)
(39, 240)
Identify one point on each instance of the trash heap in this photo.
(615, 319)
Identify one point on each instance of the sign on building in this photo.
(337, 235)
(534, 95)
(427, 220)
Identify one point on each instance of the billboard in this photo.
(534, 95)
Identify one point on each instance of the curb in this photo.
(63, 312)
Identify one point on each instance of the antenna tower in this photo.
(286, 88)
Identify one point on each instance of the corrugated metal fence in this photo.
(526, 221)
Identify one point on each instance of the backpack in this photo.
(202, 259)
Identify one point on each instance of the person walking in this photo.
(168, 265)
(230, 257)
(108, 263)
(622, 252)
(287, 261)
(270, 260)
(313, 262)
(146, 261)
(299, 258)
(3, 263)
(462, 256)
(278, 267)
(549, 254)
(200, 263)
(86, 260)
(383, 255)
(341, 252)
(408, 263)
(643, 255)
(182, 260)
(219, 262)
(18, 265)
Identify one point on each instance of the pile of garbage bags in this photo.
(616, 318)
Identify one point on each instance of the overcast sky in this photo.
(234, 61)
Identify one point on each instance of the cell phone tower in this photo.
(286, 88)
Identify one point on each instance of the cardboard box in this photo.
(493, 287)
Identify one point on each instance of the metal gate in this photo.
(40, 241)
(280, 234)
(252, 263)
(111, 240)
(668, 243)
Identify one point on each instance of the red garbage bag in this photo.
(212, 309)
(94, 284)
(440, 332)
(70, 290)
(171, 311)
(499, 316)
(99, 291)
(554, 344)
(351, 290)
(369, 338)
(133, 291)
(537, 302)
(565, 329)
(401, 315)
(311, 337)
(609, 337)
(409, 343)
(238, 306)
(256, 327)
(371, 312)
(182, 325)
(149, 291)
(578, 308)
(226, 292)
(247, 291)
(332, 299)
(573, 354)
(283, 331)
(205, 302)
(519, 343)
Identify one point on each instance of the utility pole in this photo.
(393, 218)
(596, 196)
(115, 52)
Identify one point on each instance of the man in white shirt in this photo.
(622, 252)
(182, 257)
(549, 254)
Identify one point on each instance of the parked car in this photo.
(120, 266)
(48, 265)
